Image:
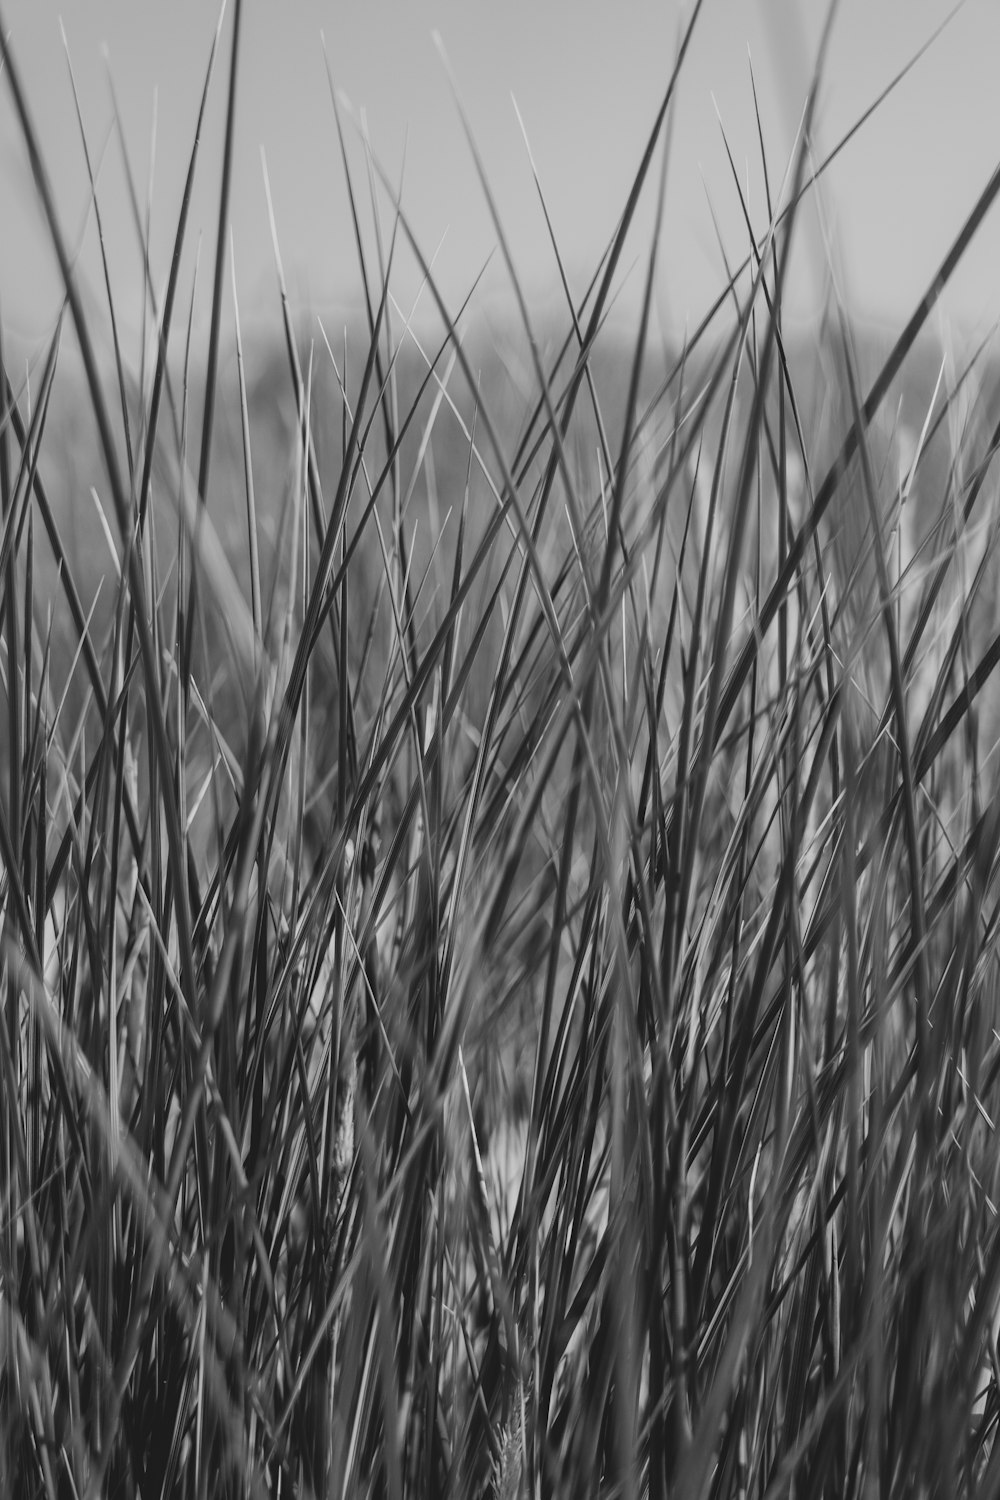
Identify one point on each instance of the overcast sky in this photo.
(587, 77)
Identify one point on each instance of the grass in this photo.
(517, 1014)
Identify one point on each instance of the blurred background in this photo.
(588, 87)
(587, 82)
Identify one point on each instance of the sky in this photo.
(587, 78)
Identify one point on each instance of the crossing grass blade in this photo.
(500, 944)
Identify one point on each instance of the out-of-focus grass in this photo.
(500, 945)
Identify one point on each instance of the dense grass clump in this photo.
(505, 1005)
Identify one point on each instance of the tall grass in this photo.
(517, 1016)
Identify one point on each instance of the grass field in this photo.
(500, 980)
